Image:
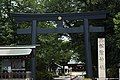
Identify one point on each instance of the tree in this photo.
(112, 6)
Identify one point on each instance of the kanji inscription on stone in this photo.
(101, 58)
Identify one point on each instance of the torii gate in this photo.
(59, 18)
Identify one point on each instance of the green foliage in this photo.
(113, 49)
(111, 72)
(52, 48)
(117, 28)
(27, 6)
(59, 6)
(44, 76)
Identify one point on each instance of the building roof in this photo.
(17, 47)
(16, 50)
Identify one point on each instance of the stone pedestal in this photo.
(102, 79)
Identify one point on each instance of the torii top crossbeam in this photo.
(20, 17)
(54, 16)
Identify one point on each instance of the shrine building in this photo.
(15, 62)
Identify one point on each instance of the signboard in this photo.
(101, 58)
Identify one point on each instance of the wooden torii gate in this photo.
(59, 18)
